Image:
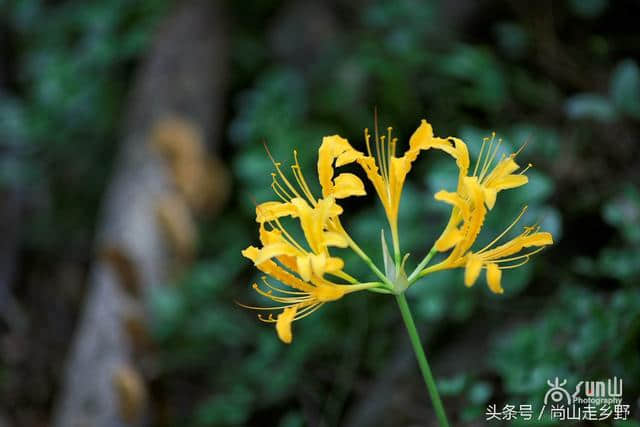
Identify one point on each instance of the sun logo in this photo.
(557, 391)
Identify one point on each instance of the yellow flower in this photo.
(310, 275)
(302, 268)
(301, 300)
(474, 196)
(384, 169)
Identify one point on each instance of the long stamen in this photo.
(297, 172)
(490, 161)
(253, 307)
(509, 267)
(284, 291)
(475, 169)
(279, 189)
(521, 147)
(383, 159)
(367, 137)
(517, 257)
(526, 169)
(282, 175)
(270, 319)
(275, 190)
(506, 230)
(286, 234)
(276, 298)
(378, 147)
(485, 160)
(307, 311)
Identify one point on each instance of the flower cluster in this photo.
(310, 275)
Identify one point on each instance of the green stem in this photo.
(354, 246)
(396, 244)
(416, 273)
(422, 359)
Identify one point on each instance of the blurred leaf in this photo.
(590, 106)
(588, 8)
(625, 88)
(512, 39)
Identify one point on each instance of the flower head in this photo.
(310, 274)
(386, 171)
(303, 268)
(475, 196)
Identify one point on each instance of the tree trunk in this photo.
(183, 80)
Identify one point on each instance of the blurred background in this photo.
(131, 155)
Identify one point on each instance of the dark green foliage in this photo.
(574, 95)
(399, 58)
(71, 65)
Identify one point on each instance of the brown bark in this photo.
(182, 78)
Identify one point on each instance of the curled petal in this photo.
(453, 199)
(472, 269)
(268, 237)
(347, 185)
(494, 275)
(332, 148)
(283, 324)
(268, 211)
(449, 239)
(272, 269)
(274, 250)
(538, 239)
(422, 139)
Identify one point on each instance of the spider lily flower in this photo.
(302, 268)
(310, 275)
(299, 298)
(502, 176)
(386, 172)
(476, 194)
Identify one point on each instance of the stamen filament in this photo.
(301, 181)
(506, 230)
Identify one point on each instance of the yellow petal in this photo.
(449, 238)
(326, 293)
(538, 239)
(472, 269)
(274, 270)
(422, 138)
(475, 221)
(346, 185)
(318, 264)
(334, 264)
(304, 267)
(268, 211)
(268, 237)
(274, 250)
(347, 157)
(490, 197)
(494, 274)
(332, 148)
(337, 240)
(457, 149)
(510, 181)
(283, 324)
(504, 167)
